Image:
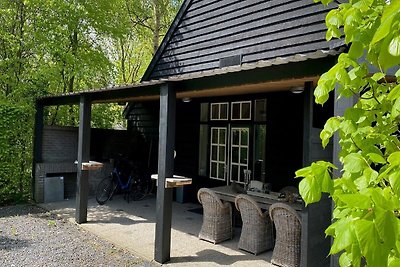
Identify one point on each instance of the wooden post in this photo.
(165, 169)
(37, 144)
(83, 156)
(341, 104)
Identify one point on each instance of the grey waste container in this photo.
(53, 189)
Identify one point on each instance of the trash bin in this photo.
(180, 194)
(53, 189)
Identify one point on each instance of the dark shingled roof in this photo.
(208, 33)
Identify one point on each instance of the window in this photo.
(219, 111)
(241, 110)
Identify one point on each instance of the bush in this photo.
(16, 131)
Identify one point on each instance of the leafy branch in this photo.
(366, 195)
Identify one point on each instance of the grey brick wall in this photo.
(60, 144)
(59, 152)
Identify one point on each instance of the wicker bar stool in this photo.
(217, 217)
(256, 236)
(287, 222)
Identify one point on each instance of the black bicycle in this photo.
(135, 186)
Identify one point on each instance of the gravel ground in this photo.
(30, 236)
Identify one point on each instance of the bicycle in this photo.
(136, 186)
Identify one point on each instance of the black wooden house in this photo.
(230, 89)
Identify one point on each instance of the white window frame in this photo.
(240, 111)
(219, 104)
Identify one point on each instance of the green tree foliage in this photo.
(366, 195)
(149, 19)
(15, 152)
(57, 46)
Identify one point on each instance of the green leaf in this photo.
(397, 74)
(356, 50)
(334, 18)
(304, 172)
(345, 260)
(377, 76)
(394, 158)
(363, 5)
(394, 46)
(357, 200)
(394, 262)
(387, 60)
(327, 183)
(394, 93)
(394, 179)
(343, 239)
(354, 163)
(386, 226)
(395, 109)
(309, 190)
(376, 158)
(388, 15)
(368, 239)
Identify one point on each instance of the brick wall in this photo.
(59, 152)
(60, 144)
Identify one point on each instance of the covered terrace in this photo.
(262, 77)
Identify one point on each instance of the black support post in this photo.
(165, 169)
(37, 144)
(83, 156)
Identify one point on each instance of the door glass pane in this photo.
(214, 152)
(203, 150)
(259, 152)
(235, 137)
(235, 111)
(222, 136)
(224, 111)
(221, 156)
(235, 173)
(241, 173)
(214, 111)
(243, 155)
(244, 137)
(246, 110)
(214, 138)
(235, 154)
(214, 169)
(221, 170)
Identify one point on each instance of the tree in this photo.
(366, 194)
(149, 21)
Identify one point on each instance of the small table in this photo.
(228, 193)
(174, 181)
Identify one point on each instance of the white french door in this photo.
(229, 153)
(218, 153)
(239, 154)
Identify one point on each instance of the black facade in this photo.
(210, 34)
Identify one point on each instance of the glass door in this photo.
(218, 153)
(239, 154)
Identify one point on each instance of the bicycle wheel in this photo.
(104, 190)
(140, 189)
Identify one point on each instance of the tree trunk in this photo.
(74, 49)
(157, 25)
